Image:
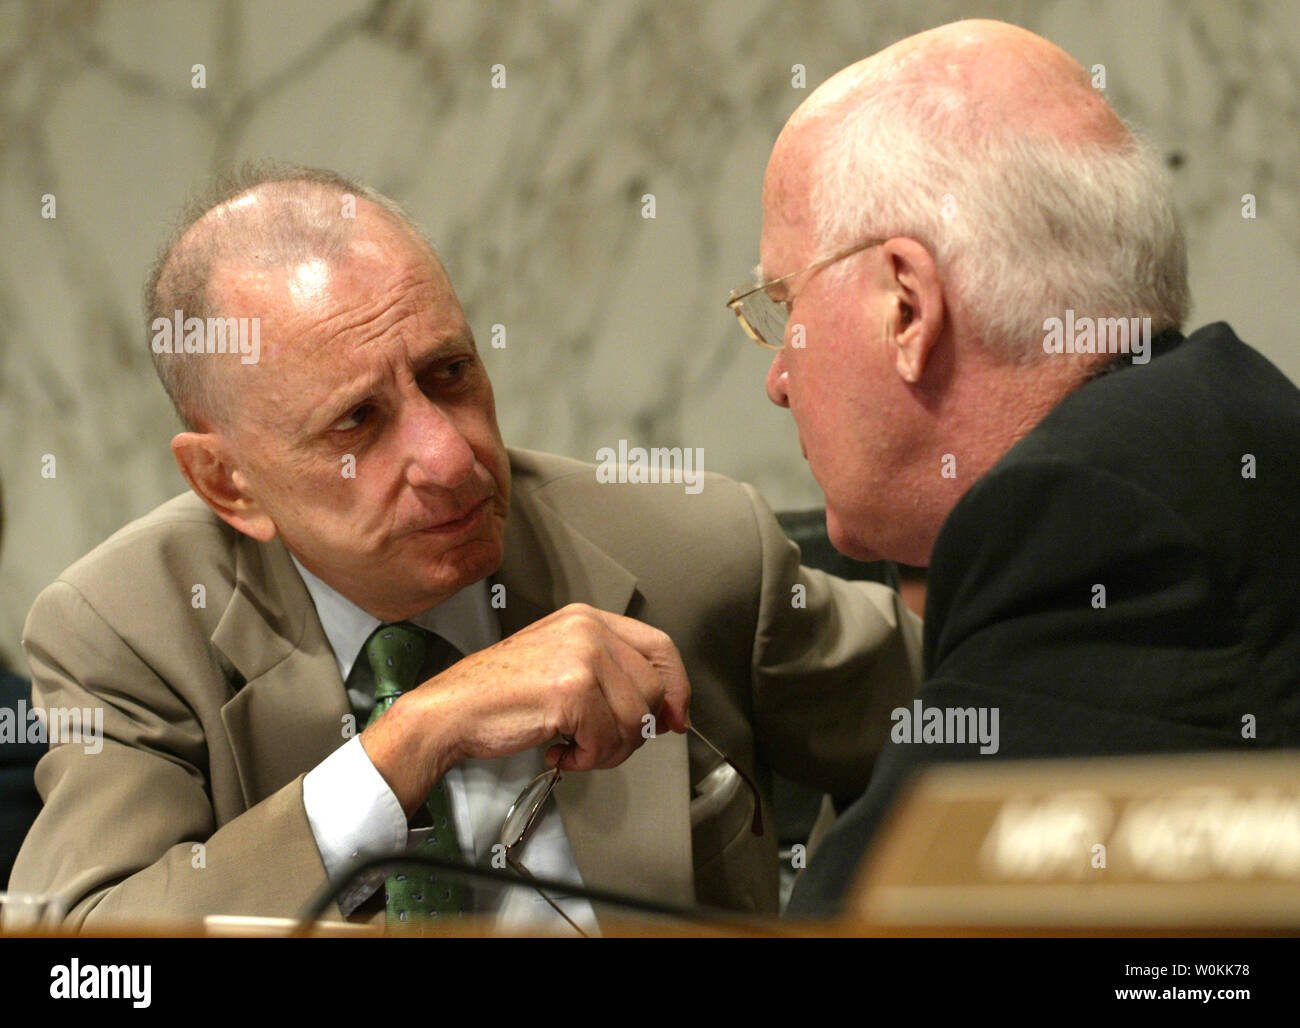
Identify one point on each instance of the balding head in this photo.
(990, 146)
(365, 436)
(1002, 75)
(265, 220)
(998, 191)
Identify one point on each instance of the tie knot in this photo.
(396, 653)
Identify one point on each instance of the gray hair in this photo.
(303, 221)
(1021, 227)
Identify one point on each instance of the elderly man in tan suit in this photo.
(352, 478)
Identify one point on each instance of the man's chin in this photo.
(464, 565)
(426, 586)
(900, 548)
(848, 541)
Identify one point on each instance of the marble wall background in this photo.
(615, 326)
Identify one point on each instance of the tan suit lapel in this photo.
(629, 826)
(290, 714)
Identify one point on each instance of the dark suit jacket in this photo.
(19, 801)
(1139, 482)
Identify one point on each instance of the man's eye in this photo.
(452, 373)
(352, 420)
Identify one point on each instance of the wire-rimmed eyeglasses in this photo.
(764, 319)
(523, 815)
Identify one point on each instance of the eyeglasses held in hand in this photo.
(523, 815)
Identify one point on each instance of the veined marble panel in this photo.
(614, 325)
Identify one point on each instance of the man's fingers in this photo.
(659, 652)
(640, 706)
(605, 681)
(598, 739)
(613, 702)
(555, 756)
(634, 691)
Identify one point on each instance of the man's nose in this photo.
(442, 456)
(776, 381)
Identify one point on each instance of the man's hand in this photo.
(581, 673)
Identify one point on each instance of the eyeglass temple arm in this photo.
(756, 823)
(524, 873)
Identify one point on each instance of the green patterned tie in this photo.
(396, 653)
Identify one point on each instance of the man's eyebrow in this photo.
(333, 409)
(445, 348)
(338, 405)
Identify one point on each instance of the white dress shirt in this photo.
(353, 813)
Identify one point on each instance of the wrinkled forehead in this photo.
(326, 321)
(374, 270)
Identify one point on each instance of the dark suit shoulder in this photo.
(1171, 485)
(1074, 582)
(1181, 425)
(1111, 585)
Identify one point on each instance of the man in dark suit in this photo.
(979, 284)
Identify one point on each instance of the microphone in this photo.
(724, 919)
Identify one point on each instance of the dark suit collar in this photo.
(1161, 343)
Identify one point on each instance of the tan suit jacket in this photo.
(218, 700)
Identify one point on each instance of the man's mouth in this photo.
(467, 519)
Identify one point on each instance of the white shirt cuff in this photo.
(353, 814)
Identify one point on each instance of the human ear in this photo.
(915, 315)
(206, 464)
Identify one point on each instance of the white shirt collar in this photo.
(466, 620)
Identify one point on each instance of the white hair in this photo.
(1020, 227)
